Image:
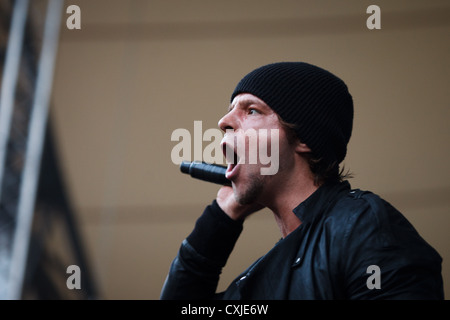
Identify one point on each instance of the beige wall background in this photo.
(137, 70)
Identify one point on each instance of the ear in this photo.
(301, 147)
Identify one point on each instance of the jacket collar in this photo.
(310, 209)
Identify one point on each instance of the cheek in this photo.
(273, 142)
(286, 151)
(262, 145)
(264, 140)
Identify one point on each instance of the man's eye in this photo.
(253, 111)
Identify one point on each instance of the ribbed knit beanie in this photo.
(313, 99)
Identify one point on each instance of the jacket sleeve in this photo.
(195, 271)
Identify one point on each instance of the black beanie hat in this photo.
(313, 99)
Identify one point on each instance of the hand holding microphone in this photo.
(225, 197)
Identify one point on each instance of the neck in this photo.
(295, 187)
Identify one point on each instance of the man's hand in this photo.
(227, 202)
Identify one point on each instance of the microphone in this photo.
(206, 172)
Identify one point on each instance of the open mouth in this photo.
(232, 159)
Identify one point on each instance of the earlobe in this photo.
(302, 147)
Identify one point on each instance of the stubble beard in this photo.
(252, 193)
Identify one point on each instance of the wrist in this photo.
(215, 234)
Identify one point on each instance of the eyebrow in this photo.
(246, 102)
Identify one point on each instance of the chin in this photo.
(247, 192)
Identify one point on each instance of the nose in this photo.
(228, 121)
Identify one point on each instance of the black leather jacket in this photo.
(344, 237)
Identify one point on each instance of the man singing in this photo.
(333, 237)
